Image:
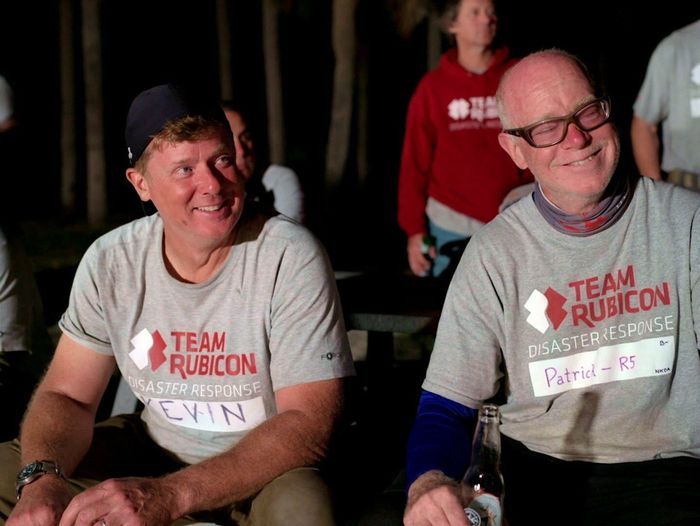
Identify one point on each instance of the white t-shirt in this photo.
(286, 190)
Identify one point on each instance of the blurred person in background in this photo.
(454, 176)
(275, 185)
(25, 347)
(670, 98)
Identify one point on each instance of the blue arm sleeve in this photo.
(441, 437)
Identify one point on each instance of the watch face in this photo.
(33, 471)
(29, 470)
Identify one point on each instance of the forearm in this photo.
(284, 442)
(57, 428)
(440, 438)
(645, 146)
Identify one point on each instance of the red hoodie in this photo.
(451, 151)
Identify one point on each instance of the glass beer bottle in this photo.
(483, 478)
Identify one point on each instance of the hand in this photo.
(420, 265)
(42, 503)
(123, 501)
(435, 499)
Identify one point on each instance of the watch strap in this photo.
(35, 470)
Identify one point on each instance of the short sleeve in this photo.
(308, 341)
(652, 103)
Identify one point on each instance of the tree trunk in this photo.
(434, 41)
(94, 127)
(224, 34)
(343, 34)
(362, 118)
(273, 82)
(68, 157)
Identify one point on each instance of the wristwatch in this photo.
(35, 470)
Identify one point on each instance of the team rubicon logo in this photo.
(148, 348)
(591, 300)
(190, 354)
(475, 108)
(546, 310)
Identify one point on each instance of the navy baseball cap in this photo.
(152, 109)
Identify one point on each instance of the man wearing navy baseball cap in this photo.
(225, 322)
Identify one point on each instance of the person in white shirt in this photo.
(276, 185)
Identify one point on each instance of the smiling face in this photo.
(574, 173)
(196, 189)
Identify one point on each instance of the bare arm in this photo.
(645, 146)
(297, 436)
(58, 425)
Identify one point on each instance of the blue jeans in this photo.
(442, 237)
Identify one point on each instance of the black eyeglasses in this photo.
(553, 131)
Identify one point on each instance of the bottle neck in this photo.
(483, 477)
(486, 445)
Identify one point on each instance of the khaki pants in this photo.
(122, 448)
(685, 179)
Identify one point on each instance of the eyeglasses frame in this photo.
(525, 131)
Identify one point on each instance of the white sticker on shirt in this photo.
(626, 361)
(224, 416)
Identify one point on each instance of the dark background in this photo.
(146, 42)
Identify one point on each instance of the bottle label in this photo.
(484, 510)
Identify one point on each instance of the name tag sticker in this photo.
(227, 416)
(626, 361)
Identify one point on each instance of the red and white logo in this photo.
(148, 348)
(476, 108)
(595, 299)
(546, 310)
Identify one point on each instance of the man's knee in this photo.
(299, 496)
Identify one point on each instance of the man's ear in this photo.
(139, 182)
(512, 148)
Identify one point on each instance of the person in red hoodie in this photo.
(454, 175)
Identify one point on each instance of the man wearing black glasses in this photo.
(577, 310)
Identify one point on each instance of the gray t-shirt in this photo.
(21, 316)
(671, 94)
(206, 358)
(594, 340)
